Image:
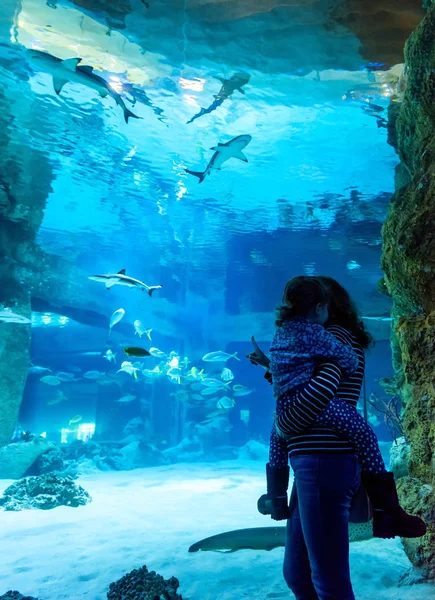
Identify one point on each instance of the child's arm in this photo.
(326, 346)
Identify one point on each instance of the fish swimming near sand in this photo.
(223, 152)
(7, 316)
(115, 318)
(266, 538)
(120, 278)
(229, 86)
(63, 71)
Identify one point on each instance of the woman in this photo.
(326, 470)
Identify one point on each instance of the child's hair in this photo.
(301, 296)
(343, 312)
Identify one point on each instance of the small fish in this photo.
(65, 377)
(210, 391)
(7, 316)
(211, 382)
(352, 265)
(128, 368)
(152, 373)
(241, 390)
(194, 374)
(140, 330)
(57, 398)
(75, 419)
(225, 402)
(115, 318)
(227, 375)
(35, 370)
(93, 375)
(50, 380)
(196, 387)
(135, 351)
(223, 152)
(157, 353)
(197, 397)
(110, 356)
(219, 356)
(126, 399)
(174, 373)
(120, 278)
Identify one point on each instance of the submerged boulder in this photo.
(14, 595)
(48, 462)
(142, 584)
(17, 458)
(44, 492)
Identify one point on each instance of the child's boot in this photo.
(275, 502)
(389, 518)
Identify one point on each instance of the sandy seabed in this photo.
(152, 516)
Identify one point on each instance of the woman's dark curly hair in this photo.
(343, 312)
(301, 296)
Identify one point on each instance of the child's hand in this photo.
(258, 357)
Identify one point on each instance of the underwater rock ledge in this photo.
(408, 261)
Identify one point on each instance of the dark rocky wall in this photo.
(409, 264)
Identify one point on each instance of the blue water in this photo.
(311, 199)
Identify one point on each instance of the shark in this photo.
(229, 86)
(266, 538)
(223, 152)
(63, 71)
(120, 278)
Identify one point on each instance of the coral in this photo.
(142, 584)
(44, 492)
(14, 595)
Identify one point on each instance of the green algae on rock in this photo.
(408, 261)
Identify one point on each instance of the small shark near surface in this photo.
(63, 71)
(229, 86)
(266, 538)
(223, 152)
(111, 279)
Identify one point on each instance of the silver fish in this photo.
(7, 316)
(126, 399)
(219, 356)
(115, 318)
(120, 278)
(50, 380)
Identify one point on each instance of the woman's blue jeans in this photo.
(316, 560)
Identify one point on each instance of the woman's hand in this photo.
(258, 357)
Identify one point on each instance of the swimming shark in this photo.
(229, 86)
(223, 152)
(120, 278)
(69, 69)
(266, 538)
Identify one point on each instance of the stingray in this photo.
(266, 538)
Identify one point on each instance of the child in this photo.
(299, 343)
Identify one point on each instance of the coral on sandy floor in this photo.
(44, 492)
(142, 584)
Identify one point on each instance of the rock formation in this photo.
(409, 264)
